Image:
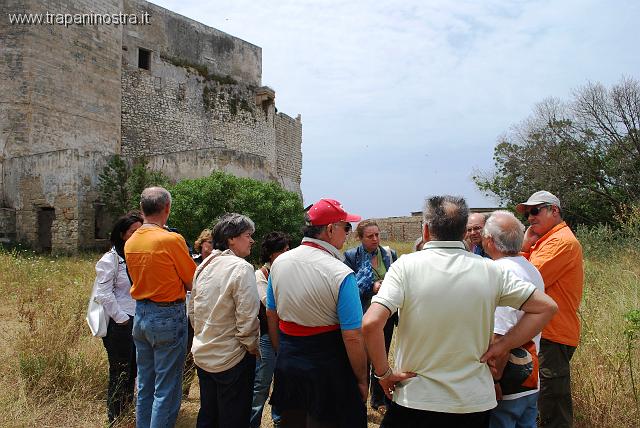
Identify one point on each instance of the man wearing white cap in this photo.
(553, 249)
(315, 320)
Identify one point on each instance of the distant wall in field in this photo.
(409, 228)
(400, 228)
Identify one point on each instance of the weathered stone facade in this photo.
(185, 96)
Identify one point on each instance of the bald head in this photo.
(506, 233)
(154, 200)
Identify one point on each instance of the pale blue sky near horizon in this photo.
(405, 99)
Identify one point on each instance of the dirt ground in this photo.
(191, 405)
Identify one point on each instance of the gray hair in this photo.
(446, 216)
(506, 231)
(310, 231)
(230, 225)
(154, 199)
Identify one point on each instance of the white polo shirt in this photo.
(446, 298)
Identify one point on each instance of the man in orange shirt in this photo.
(161, 271)
(553, 249)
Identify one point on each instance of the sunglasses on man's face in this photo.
(346, 227)
(535, 210)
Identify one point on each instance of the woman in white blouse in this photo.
(114, 294)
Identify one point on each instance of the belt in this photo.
(293, 329)
(164, 304)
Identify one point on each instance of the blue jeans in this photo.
(518, 413)
(264, 374)
(160, 335)
(225, 397)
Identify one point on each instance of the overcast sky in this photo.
(401, 99)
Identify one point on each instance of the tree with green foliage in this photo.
(197, 203)
(121, 183)
(586, 151)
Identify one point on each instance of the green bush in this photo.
(199, 202)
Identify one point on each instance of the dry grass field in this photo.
(54, 374)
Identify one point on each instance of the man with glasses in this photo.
(315, 318)
(553, 249)
(473, 237)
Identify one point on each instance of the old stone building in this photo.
(186, 96)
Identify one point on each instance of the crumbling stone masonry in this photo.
(186, 96)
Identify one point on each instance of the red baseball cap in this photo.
(327, 211)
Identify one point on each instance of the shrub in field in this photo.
(121, 182)
(196, 204)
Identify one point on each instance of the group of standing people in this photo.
(454, 339)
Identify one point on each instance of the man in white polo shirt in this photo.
(502, 239)
(446, 298)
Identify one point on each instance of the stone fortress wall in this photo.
(185, 96)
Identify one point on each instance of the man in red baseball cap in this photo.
(315, 320)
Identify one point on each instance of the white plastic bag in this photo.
(96, 317)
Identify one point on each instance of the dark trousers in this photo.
(403, 417)
(301, 419)
(377, 394)
(225, 397)
(121, 353)
(189, 372)
(554, 402)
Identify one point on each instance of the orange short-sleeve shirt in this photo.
(558, 257)
(159, 264)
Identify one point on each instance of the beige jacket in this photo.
(223, 311)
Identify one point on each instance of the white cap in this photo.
(541, 197)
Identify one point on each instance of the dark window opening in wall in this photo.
(46, 215)
(101, 223)
(144, 58)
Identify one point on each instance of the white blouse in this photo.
(114, 287)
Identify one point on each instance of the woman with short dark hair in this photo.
(273, 244)
(114, 294)
(223, 311)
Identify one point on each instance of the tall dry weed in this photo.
(606, 366)
(54, 372)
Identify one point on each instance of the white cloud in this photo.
(434, 82)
